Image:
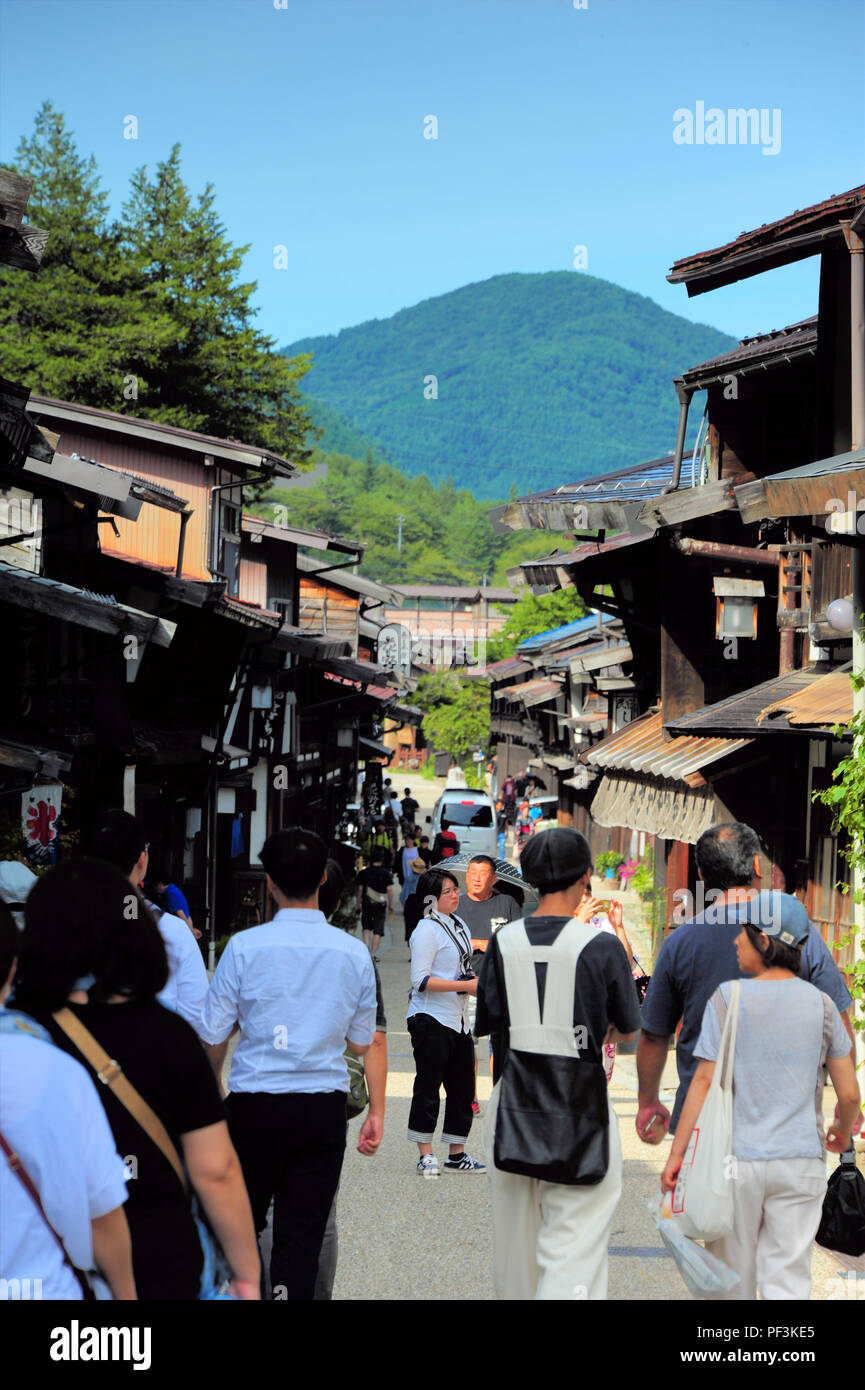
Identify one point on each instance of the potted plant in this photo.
(608, 862)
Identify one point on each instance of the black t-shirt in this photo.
(376, 877)
(409, 806)
(165, 1062)
(478, 915)
(604, 990)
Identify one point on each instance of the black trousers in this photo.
(442, 1058)
(291, 1149)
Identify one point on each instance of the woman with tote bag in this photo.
(784, 1031)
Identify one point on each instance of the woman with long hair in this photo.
(442, 980)
(92, 955)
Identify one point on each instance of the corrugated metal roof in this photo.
(770, 244)
(828, 700)
(599, 502)
(742, 713)
(763, 350)
(531, 692)
(642, 802)
(642, 747)
(454, 591)
(558, 634)
(807, 491)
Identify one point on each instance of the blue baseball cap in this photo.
(777, 914)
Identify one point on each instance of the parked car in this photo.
(471, 814)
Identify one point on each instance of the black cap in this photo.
(555, 858)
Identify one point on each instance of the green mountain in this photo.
(528, 379)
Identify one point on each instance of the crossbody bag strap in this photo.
(464, 948)
(15, 1163)
(727, 1049)
(110, 1073)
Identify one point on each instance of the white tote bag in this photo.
(703, 1196)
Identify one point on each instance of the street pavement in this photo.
(402, 1237)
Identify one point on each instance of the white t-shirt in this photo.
(187, 977)
(51, 1115)
(786, 1027)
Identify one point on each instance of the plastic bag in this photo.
(842, 1224)
(704, 1274)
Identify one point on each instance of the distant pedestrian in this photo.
(501, 827)
(170, 898)
(445, 844)
(374, 899)
(120, 840)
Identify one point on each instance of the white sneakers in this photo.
(428, 1165)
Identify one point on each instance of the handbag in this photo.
(842, 1223)
(552, 1116)
(641, 982)
(703, 1196)
(358, 1093)
(215, 1269)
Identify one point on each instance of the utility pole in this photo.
(399, 522)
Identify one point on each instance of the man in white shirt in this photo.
(120, 840)
(53, 1120)
(300, 990)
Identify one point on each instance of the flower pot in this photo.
(609, 873)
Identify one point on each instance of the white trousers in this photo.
(777, 1206)
(550, 1241)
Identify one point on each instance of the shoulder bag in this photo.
(215, 1270)
(703, 1196)
(552, 1114)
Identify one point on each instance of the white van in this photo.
(471, 814)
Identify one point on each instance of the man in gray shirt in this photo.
(483, 911)
(699, 956)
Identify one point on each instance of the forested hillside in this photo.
(526, 379)
(447, 537)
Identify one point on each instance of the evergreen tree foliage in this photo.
(447, 536)
(532, 614)
(145, 316)
(67, 329)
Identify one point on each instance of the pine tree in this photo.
(146, 316)
(217, 374)
(64, 329)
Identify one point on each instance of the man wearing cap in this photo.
(697, 957)
(554, 989)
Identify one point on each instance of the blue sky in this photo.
(555, 130)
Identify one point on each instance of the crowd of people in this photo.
(162, 1182)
